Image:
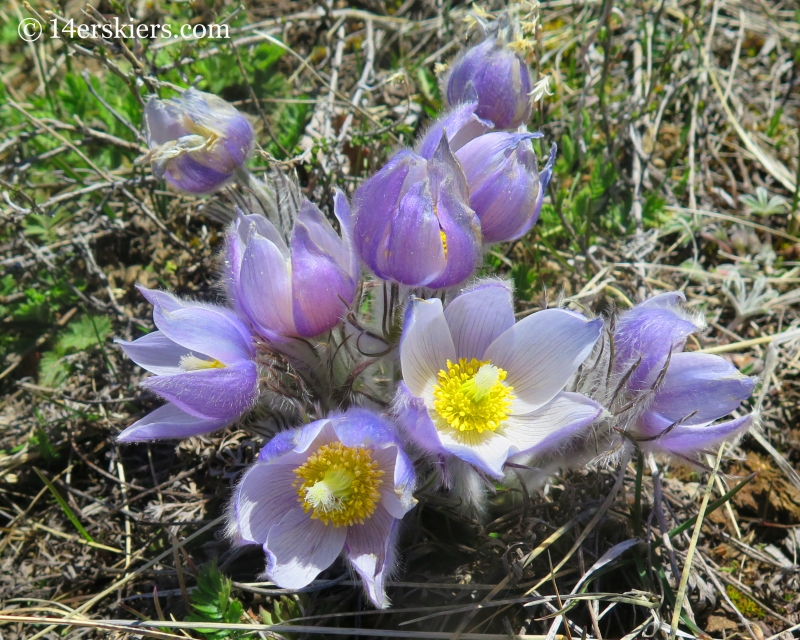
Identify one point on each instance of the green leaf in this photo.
(64, 506)
(84, 333)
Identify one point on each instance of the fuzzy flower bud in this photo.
(413, 222)
(302, 289)
(196, 141)
(498, 75)
(506, 189)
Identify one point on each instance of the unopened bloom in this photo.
(204, 361)
(413, 222)
(506, 189)
(683, 393)
(480, 387)
(302, 289)
(498, 75)
(197, 141)
(460, 124)
(335, 485)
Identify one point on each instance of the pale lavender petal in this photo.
(341, 209)
(206, 331)
(544, 179)
(292, 446)
(167, 423)
(299, 549)
(224, 394)
(425, 346)
(541, 352)
(557, 421)
(156, 353)
(476, 318)
(370, 549)
(700, 382)
(691, 439)
(264, 496)
(320, 232)
(266, 287)
(161, 123)
(398, 482)
(488, 451)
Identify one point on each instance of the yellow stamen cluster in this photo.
(193, 363)
(339, 485)
(470, 396)
(443, 236)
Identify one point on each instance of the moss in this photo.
(749, 608)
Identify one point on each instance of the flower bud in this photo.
(196, 141)
(413, 222)
(498, 75)
(506, 189)
(302, 289)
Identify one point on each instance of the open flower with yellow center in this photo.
(478, 386)
(203, 358)
(335, 485)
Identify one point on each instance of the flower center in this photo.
(193, 363)
(471, 397)
(339, 485)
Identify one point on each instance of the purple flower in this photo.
(506, 189)
(695, 390)
(196, 141)
(338, 484)
(498, 75)
(204, 361)
(413, 223)
(460, 124)
(480, 387)
(300, 290)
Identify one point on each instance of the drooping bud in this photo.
(197, 141)
(413, 222)
(302, 289)
(497, 74)
(506, 189)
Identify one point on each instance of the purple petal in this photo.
(700, 382)
(156, 353)
(281, 449)
(167, 423)
(323, 291)
(477, 317)
(299, 549)
(266, 287)
(264, 496)
(540, 354)
(321, 234)
(415, 421)
(448, 189)
(488, 451)
(223, 394)
(544, 179)
(425, 345)
(414, 254)
(188, 173)
(205, 331)
(650, 331)
(397, 488)
(553, 424)
(370, 549)
(691, 439)
(460, 124)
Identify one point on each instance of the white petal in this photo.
(487, 451)
(479, 316)
(541, 352)
(156, 353)
(370, 549)
(426, 345)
